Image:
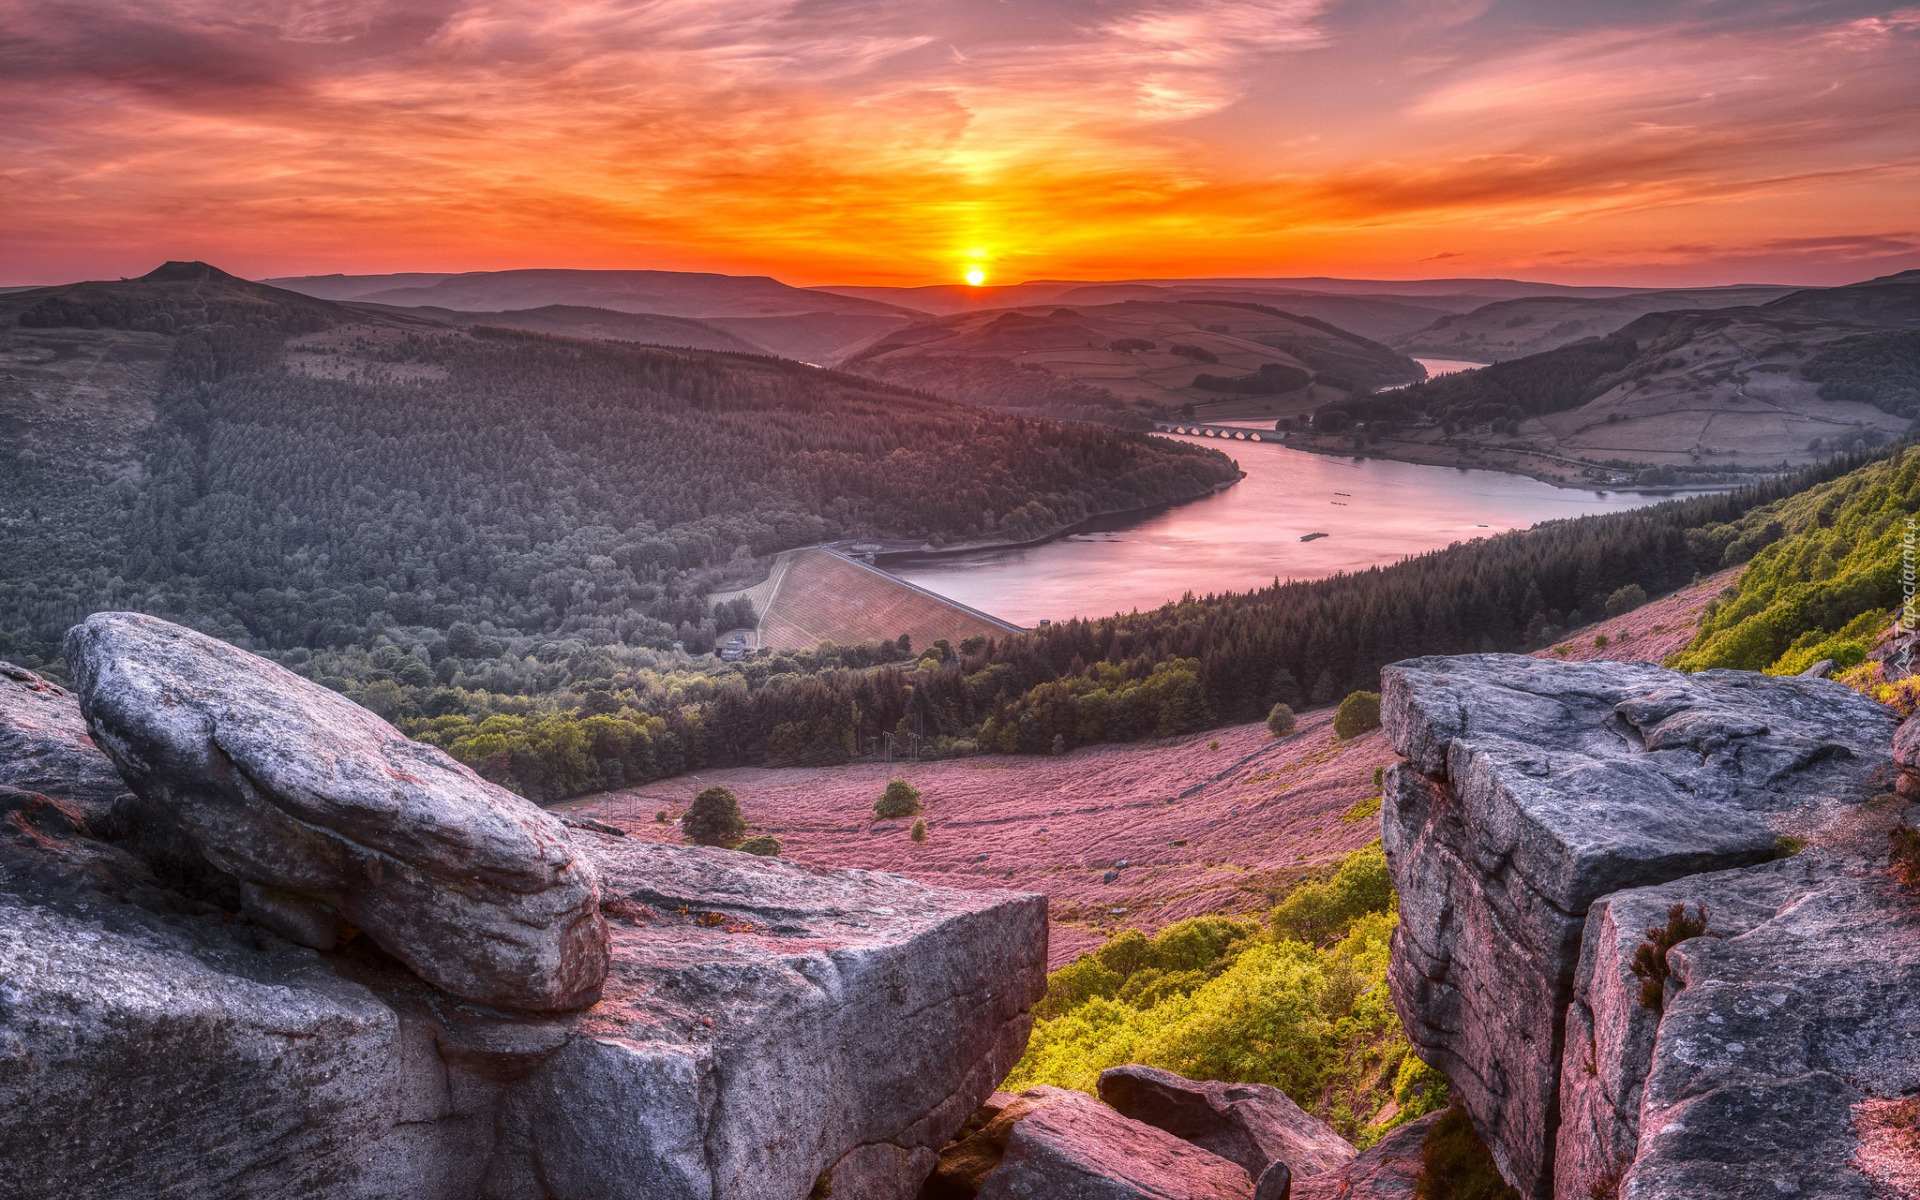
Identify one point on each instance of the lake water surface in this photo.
(1373, 512)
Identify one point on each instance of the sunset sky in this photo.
(908, 141)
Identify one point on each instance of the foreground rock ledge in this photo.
(1534, 789)
(762, 1024)
(322, 811)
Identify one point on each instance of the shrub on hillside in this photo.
(1624, 600)
(1358, 713)
(764, 844)
(1321, 912)
(1280, 721)
(900, 799)
(714, 819)
(919, 831)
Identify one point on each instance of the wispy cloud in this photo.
(878, 139)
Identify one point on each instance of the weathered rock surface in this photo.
(1065, 1145)
(45, 747)
(762, 1024)
(1770, 1036)
(1246, 1123)
(1387, 1170)
(323, 811)
(1533, 790)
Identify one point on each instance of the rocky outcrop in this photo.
(1387, 1170)
(1547, 815)
(763, 1025)
(325, 814)
(45, 747)
(764, 1032)
(1247, 1123)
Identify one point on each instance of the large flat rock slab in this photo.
(767, 1020)
(1532, 788)
(324, 812)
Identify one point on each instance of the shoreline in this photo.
(1458, 461)
(895, 552)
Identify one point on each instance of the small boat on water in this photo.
(1307, 537)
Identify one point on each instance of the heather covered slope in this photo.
(1202, 830)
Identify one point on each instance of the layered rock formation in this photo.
(764, 1031)
(1550, 815)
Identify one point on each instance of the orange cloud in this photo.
(900, 140)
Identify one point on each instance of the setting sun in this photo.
(976, 276)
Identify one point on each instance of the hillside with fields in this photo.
(1218, 358)
(1699, 393)
(1528, 325)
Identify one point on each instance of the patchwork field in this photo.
(815, 595)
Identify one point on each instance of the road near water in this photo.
(1372, 511)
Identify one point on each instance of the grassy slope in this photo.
(1824, 588)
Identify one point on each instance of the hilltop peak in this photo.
(188, 272)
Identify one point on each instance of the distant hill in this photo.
(1744, 388)
(299, 475)
(1528, 325)
(1221, 357)
(602, 324)
(791, 322)
(1468, 293)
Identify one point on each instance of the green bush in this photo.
(765, 845)
(1280, 721)
(919, 832)
(714, 819)
(1320, 913)
(1625, 600)
(900, 799)
(1358, 713)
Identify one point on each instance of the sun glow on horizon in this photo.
(975, 276)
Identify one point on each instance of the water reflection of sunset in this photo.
(859, 140)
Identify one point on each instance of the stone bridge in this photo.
(1239, 433)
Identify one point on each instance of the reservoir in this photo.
(1372, 511)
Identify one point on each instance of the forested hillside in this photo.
(302, 478)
